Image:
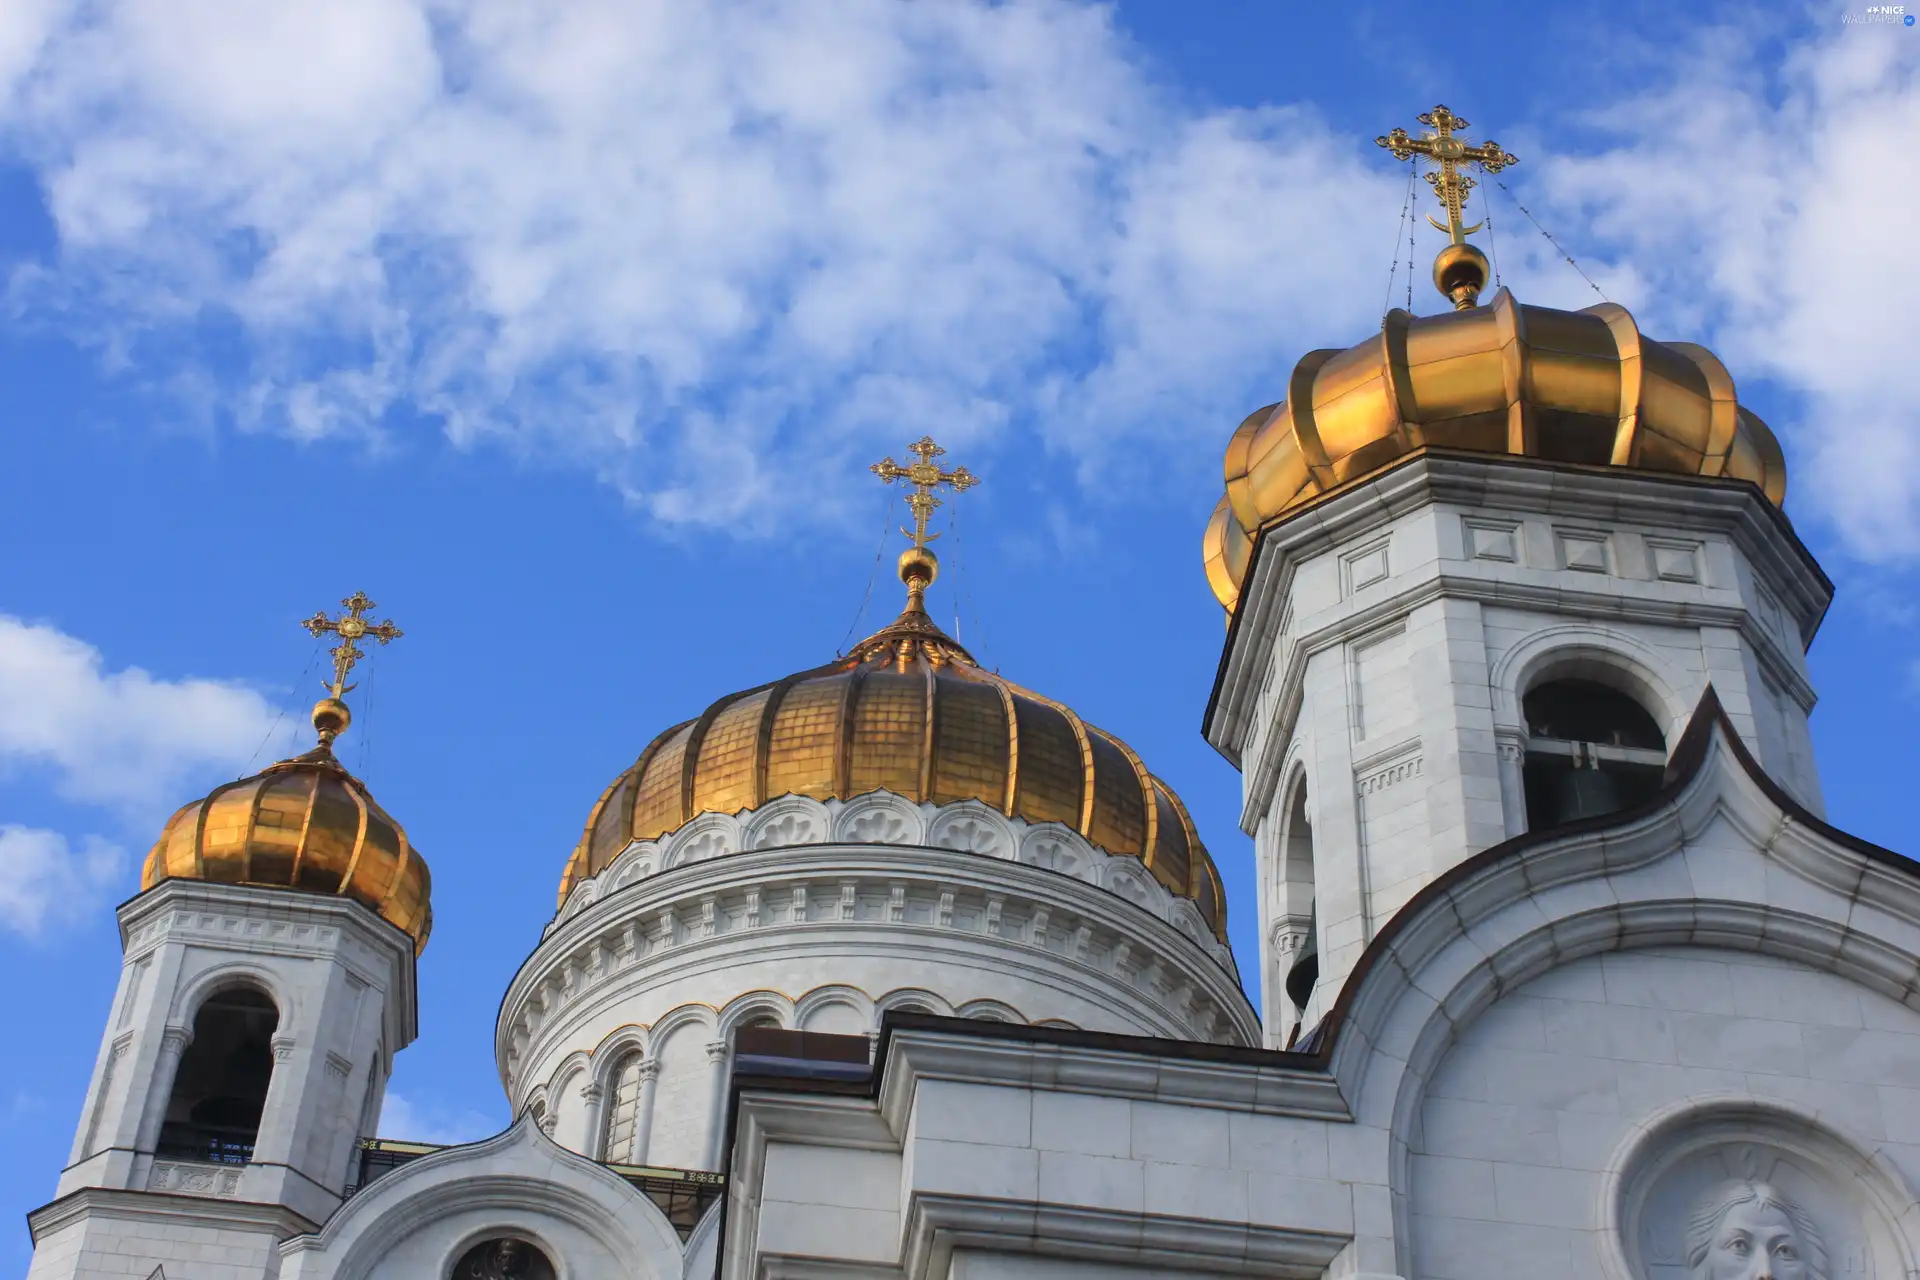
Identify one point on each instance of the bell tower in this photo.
(267, 982)
(1479, 569)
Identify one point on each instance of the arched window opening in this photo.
(626, 1143)
(503, 1259)
(1297, 948)
(220, 1088)
(1591, 750)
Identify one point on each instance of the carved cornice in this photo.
(885, 818)
(1006, 916)
(251, 920)
(1732, 509)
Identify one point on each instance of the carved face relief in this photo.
(1750, 1231)
(1734, 1191)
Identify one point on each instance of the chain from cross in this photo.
(351, 627)
(1449, 184)
(925, 476)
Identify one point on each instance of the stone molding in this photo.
(881, 817)
(1786, 570)
(195, 1178)
(156, 1209)
(521, 1177)
(936, 1225)
(253, 921)
(1246, 1083)
(1051, 926)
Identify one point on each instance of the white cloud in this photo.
(123, 739)
(45, 882)
(405, 1120)
(1771, 206)
(693, 247)
(716, 253)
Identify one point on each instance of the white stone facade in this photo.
(1371, 690)
(1677, 1042)
(1551, 1063)
(341, 981)
(948, 910)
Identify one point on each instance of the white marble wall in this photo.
(1387, 641)
(342, 982)
(104, 1244)
(827, 937)
(1527, 1115)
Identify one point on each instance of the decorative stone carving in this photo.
(1049, 848)
(1130, 884)
(713, 836)
(971, 829)
(1746, 1230)
(1733, 1190)
(880, 819)
(503, 1259)
(185, 1178)
(790, 820)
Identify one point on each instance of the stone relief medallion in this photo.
(1738, 1192)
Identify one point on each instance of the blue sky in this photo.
(568, 339)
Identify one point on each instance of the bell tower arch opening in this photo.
(1591, 750)
(1295, 966)
(220, 1089)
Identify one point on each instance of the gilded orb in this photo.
(1461, 271)
(918, 563)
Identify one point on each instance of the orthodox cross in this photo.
(1449, 184)
(925, 476)
(351, 627)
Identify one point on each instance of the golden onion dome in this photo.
(907, 711)
(1581, 387)
(304, 823)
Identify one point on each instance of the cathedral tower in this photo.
(1479, 569)
(267, 982)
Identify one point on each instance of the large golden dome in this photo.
(1565, 386)
(908, 711)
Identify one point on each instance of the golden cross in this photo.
(351, 627)
(1449, 184)
(925, 476)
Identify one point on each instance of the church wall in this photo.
(680, 1111)
(1529, 1112)
(1396, 638)
(195, 1247)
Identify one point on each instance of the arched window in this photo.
(1591, 750)
(220, 1088)
(624, 1111)
(1297, 954)
(503, 1258)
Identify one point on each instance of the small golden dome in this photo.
(304, 823)
(908, 711)
(1564, 386)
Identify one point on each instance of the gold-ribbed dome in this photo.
(304, 823)
(908, 711)
(1566, 386)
